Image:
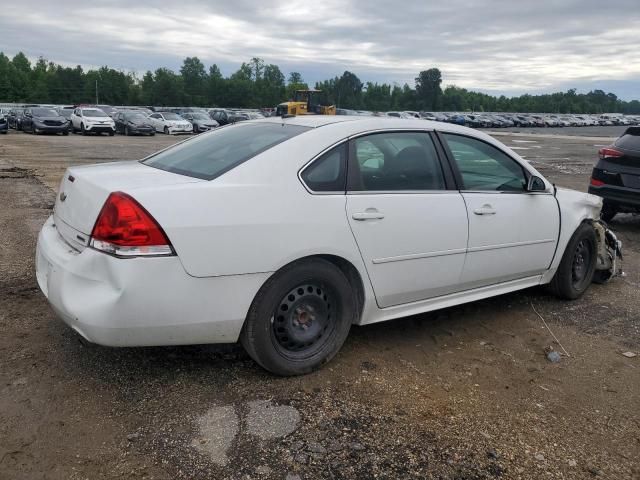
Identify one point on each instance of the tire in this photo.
(65, 133)
(608, 212)
(82, 130)
(578, 264)
(153, 134)
(300, 318)
(111, 133)
(166, 130)
(127, 132)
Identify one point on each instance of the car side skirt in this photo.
(450, 300)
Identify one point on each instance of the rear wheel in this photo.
(608, 212)
(300, 318)
(578, 264)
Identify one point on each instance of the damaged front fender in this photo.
(609, 263)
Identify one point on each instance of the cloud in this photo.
(493, 45)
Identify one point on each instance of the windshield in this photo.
(91, 112)
(65, 112)
(210, 155)
(171, 116)
(44, 112)
(200, 116)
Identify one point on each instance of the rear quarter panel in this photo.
(255, 218)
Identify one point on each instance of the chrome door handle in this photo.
(362, 216)
(485, 210)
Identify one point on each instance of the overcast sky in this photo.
(506, 47)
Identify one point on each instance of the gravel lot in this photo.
(463, 393)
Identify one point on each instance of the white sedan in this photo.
(282, 233)
(170, 123)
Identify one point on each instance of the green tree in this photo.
(428, 91)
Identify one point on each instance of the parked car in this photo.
(226, 117)
(169, 123)
(4, 124)
(14, 118)
(92, 120)
(65, 112)
(616, 176)
(44, 120)
(201, 121)
(131, 122)
(259, 232)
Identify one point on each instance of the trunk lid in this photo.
(84, 189)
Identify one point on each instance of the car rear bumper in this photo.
(617, 195)
(139, 301)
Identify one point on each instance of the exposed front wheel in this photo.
(82, 130)
(300, 318)
(578, 264)
(166, 130)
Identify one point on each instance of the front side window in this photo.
(209, 156)
(328, 172)
(395, 161)
(484, 167)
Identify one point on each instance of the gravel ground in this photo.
(463, 393)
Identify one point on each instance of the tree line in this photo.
(257, 84)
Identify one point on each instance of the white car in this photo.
(170, 123)
(91, 120)
(284, 232)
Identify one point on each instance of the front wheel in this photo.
(300, 318)
(578, 264)
(82, 129)
(166, 130)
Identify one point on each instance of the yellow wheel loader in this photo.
(304, 103)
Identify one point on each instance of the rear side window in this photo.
(328, 172)
(209, 156)
(630, 140)
(395, 161)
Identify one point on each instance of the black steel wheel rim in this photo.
(581, 264)
(304, 320)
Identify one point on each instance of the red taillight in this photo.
(597, 183)
(125, 228)
(609, 152)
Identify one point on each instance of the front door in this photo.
(512, 233)
(410, 229)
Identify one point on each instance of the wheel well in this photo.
(349, 271)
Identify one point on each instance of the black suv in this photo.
(616, 176)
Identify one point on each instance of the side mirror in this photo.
(535, 184)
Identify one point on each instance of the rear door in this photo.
(409, 222)
(512, 232)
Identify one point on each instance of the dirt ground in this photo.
(463, 393)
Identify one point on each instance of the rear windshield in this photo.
(630, 140)
(210, 155)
